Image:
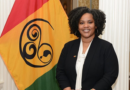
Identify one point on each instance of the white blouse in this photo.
(79, 65)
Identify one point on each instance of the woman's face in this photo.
(87, 26)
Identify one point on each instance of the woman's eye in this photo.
(90, 22)
(81, 23)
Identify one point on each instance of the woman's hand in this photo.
(92, 89)
(67, 88)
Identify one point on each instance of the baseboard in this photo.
(1, 85)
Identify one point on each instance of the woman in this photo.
(87, 63)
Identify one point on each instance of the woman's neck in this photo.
(87, 40)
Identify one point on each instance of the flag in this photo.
(31, 42)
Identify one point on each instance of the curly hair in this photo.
(75, 15)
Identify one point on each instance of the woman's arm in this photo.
(60, 74)
(110, 70)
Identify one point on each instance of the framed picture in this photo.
(67, 5)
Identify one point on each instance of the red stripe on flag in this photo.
(20, 11)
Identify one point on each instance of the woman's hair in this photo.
(75, 15)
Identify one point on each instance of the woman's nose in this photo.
(86, 25)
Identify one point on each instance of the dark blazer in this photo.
(100, 68)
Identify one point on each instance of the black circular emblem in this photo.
(33, 52)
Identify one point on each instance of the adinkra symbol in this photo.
(31, 48)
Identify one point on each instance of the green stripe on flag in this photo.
(46, 82)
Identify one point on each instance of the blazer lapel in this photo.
(76, 49)
(89, 56)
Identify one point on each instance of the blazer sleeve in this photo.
(60, 73)
(110, 70)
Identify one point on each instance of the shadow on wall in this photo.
(67, 5)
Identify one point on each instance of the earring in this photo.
(75, 33)
(97, 30)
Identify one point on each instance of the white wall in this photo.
(6, 81)
(117, 32)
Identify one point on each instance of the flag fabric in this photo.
(31, 42)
